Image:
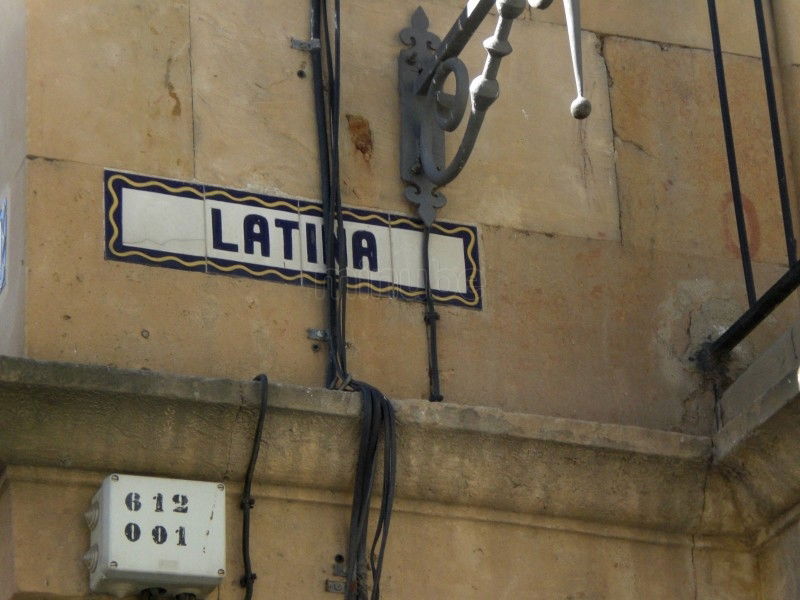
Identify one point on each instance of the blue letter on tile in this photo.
(311, 242)
(251, 222)
(216, 232)
(365, 246)
(287, 227)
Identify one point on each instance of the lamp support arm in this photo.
(456, 39)
(427, 111)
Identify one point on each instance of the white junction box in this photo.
(151, 532)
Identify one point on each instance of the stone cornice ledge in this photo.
(758, 448)
(102, 419)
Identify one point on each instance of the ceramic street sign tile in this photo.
(180, 225)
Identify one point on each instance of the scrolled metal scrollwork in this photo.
(428, 112)
(450, 108)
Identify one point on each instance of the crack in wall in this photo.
(239, 411)
(191, 96)
(601, 49)
(636, 145)
(699, 525)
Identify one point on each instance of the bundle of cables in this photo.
(377, 413)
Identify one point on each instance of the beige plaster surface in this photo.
(646, 311)
(186, 322)
(760, 446)
(538, 169)
(785, 14)
(254, 115)
(7, 550)
(527, 506)
(255, 122)
(779, 565)
(543, 468)
(597, 320)
(474, 458)
(295, 536)
(110, 313)
(783, 17)
(122, 74)
(677, 22)
(790, 85)
(722, 575)
(673, 174)
(543, 357)
(564, 316)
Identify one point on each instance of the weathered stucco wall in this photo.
(608, 254)
(785, 17)
(13, 83)
(435, 552)
(608, 246)
(489, 504)
(779, 565)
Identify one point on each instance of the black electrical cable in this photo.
(334, 78)
(327, 101)
(377, 415)
(323, 143)
(387, 494)
(248, 501)
(431, 317)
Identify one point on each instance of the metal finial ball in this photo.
(540, 4)
(580, 108)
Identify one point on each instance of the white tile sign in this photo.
(204, 228)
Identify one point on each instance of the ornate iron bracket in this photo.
(427, 111)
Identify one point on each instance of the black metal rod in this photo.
(744, 246)
(456, 39)
(788, 283)
(780, 169)
(431, 316)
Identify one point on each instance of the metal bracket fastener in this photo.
(305, 46)
(335, 587)
(339, 570)
(319, 335)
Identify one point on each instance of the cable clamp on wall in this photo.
(306, 46)
(431, 317)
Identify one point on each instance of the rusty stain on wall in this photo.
(360, 135)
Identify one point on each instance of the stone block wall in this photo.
(495, 555)
(608, 255)
(779, 565)
(608, 246)
(489, 504)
